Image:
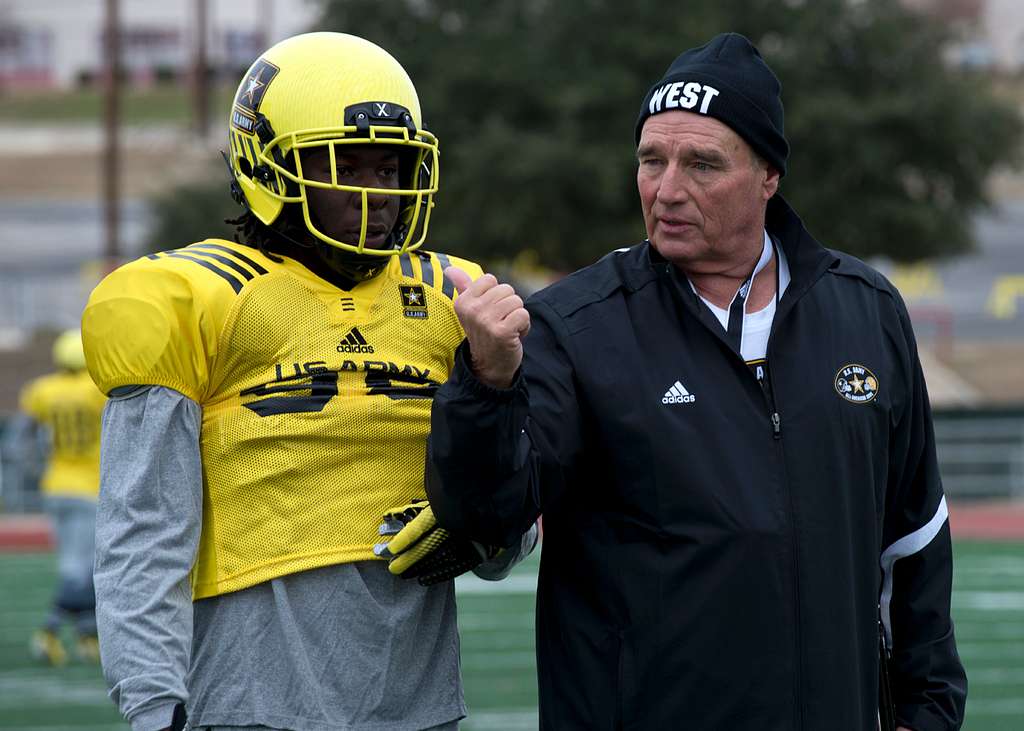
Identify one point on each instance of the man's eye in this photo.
(702, 167)
(344, 171)
(389, 171)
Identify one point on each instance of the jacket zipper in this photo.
(776, 425)
(776, 422)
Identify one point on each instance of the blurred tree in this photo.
(535, 101)
(192, 212)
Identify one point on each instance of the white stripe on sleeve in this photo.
(908, 545)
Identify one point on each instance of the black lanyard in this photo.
(734, 330)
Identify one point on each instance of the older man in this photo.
(727, 430)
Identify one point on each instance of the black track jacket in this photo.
(715, 552)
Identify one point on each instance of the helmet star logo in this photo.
(252, 87)
(413, 298)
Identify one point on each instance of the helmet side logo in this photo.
(251, 92)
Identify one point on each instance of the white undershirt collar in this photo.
(756, 325)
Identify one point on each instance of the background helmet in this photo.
(68, 352)
(323, 90)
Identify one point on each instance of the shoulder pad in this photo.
(215, 263)
(156, 321)
(29, 398)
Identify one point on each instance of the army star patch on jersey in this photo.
(414, 300)
(856, 384)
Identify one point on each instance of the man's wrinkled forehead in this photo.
(684, 130)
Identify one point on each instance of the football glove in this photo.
(419, 549)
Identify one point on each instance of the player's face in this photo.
(338, 213)
(703, 192)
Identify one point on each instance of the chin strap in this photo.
(357, 267)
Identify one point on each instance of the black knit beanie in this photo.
(727, 79)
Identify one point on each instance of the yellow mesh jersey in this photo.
(316, 400)
(69, 405)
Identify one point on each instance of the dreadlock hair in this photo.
(284, 234)
(288, 236)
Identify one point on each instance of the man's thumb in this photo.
(459, 278)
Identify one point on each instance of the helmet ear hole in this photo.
(245, 167)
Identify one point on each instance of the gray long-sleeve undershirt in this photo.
(331, 648)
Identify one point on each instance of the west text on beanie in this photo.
(727, 79)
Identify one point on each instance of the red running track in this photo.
(987, 521)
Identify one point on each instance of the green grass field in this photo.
(498, 663)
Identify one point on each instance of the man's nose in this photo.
(374, 201)
(673, 188)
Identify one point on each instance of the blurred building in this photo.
(990, 33)
(53, 235)
(58, 43)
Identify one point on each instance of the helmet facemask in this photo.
(280, 173)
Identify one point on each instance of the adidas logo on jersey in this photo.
(354, 342)
(678, 394)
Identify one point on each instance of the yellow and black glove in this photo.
(419, 549)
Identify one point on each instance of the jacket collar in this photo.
(807, 259)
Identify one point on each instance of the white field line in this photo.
(1004, 565)
(981, 630)
(503, 720)
(78, 727)
(17, 691)
(995, 676)
(996, 707)
(1001, 653)
(989, 600)
(500, 660)
(516, 584)
(476, 621)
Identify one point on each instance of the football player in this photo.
(67, 405)
(270, 402)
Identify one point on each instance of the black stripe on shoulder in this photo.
(237, 254)
(231, 264)
(152, 256)
(427, 267)
(447, 288)
(235, 283)
(406, 263)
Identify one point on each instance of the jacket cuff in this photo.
(920, 719)
(463, 378)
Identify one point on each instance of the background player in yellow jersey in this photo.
(67, 405)
(270, 401)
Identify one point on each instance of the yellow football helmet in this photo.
(321, 90)
(68, 352)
